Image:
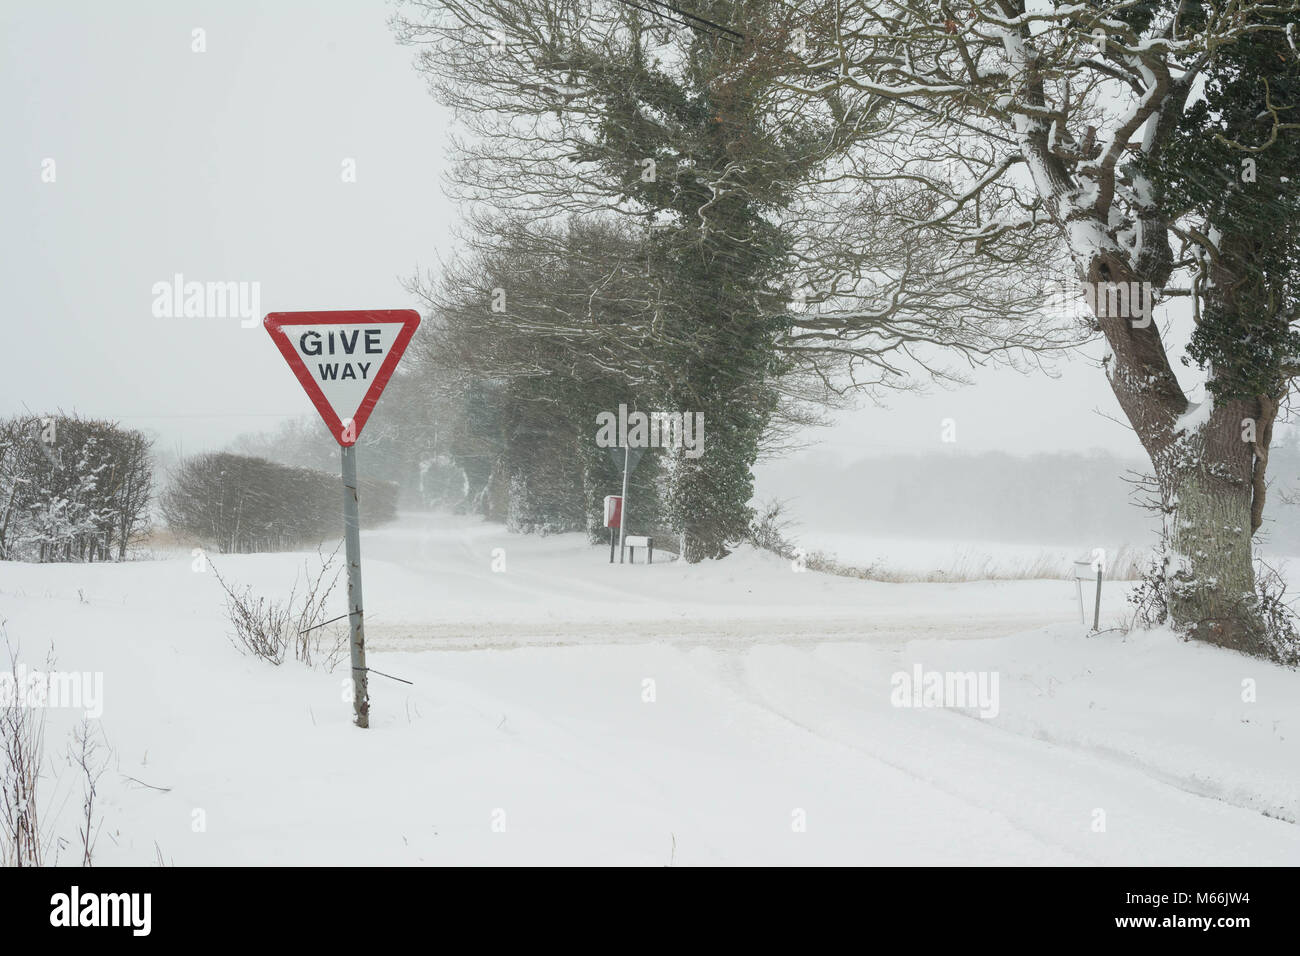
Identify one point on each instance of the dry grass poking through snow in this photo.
(975, 565)
(22, 752)
(770, 532)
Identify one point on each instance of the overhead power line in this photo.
(724, 32)
(658, 13)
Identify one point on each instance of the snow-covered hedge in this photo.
(238, 503)
(71, 489)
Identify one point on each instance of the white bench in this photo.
(634, 541)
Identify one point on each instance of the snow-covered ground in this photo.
(567, 711)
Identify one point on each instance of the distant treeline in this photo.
(71, 489)
(993, 496)
(534, 479)
(238, 503)
(1049, 498)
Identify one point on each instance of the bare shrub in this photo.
(261, 625)
(315, 643)
(272, 630)
(1275, 611)
(1274, 623)
(22, 744)
(770, 529)
(84, 751)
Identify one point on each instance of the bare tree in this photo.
(761, 291)
(16, 466)
(1072, 128)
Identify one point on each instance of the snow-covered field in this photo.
(567, 711)
(959, 560)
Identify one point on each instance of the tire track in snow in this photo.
(1173, 817)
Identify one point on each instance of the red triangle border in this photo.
(275, 323)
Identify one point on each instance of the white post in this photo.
(622, 522)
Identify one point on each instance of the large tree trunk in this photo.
(1207, 483)
(1209, 465)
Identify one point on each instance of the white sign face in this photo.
(343, 359)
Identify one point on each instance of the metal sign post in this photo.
(343, 360)
(356, 612)
(1096, 608)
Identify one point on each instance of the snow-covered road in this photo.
(734, 712)
(440, 590)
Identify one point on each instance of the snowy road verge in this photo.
(737, 712)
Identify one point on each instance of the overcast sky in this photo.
(227, 166)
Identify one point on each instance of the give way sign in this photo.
(343, 359)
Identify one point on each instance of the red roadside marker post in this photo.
(343, 360)
(613, 519)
